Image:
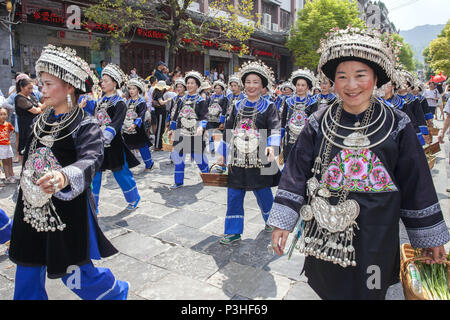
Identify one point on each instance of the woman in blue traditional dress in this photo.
(252, 133)
(187, 127)
(133, 130)
(110, 111)
(297, 108)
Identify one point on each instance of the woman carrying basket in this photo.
(252, 133)
(355, 171)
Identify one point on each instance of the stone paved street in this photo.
(169, 245)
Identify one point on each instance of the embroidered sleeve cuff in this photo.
(430, 237)
(76, 183)
(424, 130)
(203, 124)
(282, 217)
(420, 137)
(90, 107)
(274, 140)
(138, 122)
(109, 134)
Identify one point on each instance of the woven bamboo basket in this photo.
(432, 148)
(214, 179)
(407, 257)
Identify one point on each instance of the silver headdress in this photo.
(116, 74)
(180, 81)
(419, 85)
(204, 86)
(220, 83)
(356, 44)
(398, 77)
(138, 82)
(409, 77)
(196, 75)
(303, 74)
(67, 66)
(287, 84)
(235, 78)
(260, 69)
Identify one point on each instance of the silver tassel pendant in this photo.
(43, 219)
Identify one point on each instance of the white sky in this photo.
(406, 14)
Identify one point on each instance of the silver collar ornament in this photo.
(188, 118)
(38, 207)
(246, 139)
(326, 231)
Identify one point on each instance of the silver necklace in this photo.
(327, 230)
(38, 207)
(357, 140)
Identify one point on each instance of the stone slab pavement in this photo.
(169, 245)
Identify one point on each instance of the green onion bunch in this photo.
(434, 278)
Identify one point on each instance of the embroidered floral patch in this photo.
(363, 171)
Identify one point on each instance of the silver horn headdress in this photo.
(303, 74)
(367, 46)
(235, 78)
(116, 74)
(137, 82)
(67, 66)
(259, 68)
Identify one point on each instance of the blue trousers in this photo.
(200, 159)
(5, 227)
(146, 156)
(126, 181)
(234, 219)
(87, 281)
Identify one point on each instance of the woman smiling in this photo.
(252, 166)
(349, 220)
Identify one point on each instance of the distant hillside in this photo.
(419, 37)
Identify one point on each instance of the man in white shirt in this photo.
(432, 96)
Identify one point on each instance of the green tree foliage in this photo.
(437, 53)
(172, 18)
(314, 21)
(406, 54)
(428, 71)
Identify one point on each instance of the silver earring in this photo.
(69, 101)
